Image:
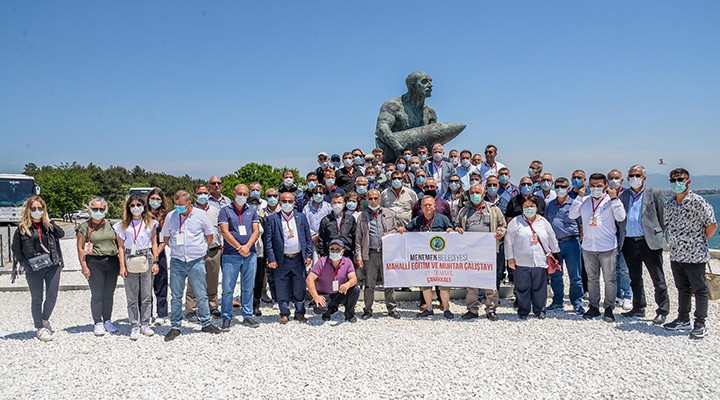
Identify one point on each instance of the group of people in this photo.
(325, 239)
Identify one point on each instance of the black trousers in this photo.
(348, 301)
(160, 287)
(690, 280)
(104, 272)
(260, 281)
(636, 253)
(44, 283)
(531, 287)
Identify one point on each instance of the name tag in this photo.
(593, 221)
(242, 230)
(336, 285)
(133, 249)
(180, 238)
(88, 248)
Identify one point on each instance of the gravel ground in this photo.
(560, 357)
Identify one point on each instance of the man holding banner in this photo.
(481, 216)
(430, 221)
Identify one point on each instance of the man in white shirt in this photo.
(439, 169)
(600, 211)
(490, 167)
(463, 170)
(547, 183)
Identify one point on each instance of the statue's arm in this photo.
(383, 129)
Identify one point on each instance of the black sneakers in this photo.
(677, 325)
(608, 316)
(699, 332)
(469, 315)
(226, 325)
(211, 329)
(425, 313)
(593, 312)
(172, 334)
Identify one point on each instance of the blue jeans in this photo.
(623, 278)
(195, 271)
(571, 253)
(232, 266)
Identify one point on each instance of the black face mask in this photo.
(432, 193)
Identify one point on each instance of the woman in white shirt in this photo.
(137, 245)
(528, 241)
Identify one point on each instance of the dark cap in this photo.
(337, 242)
(335, 157)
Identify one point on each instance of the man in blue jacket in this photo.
(289, 249)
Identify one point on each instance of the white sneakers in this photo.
(627, 304)
(146, 330)
(109, 327)
(141, 330)
(135, 333)
(99, 329)
(44, 334)
(159, 321)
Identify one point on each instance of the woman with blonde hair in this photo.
(36, 245)
(98, 254)
(158, 209)
(137, 247)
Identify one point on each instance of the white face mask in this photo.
(531, 172)
(465, 162)
(414, 167)
(240, 200)
(597, 192)
(288, 181)
(155, 204)
(136, 211)
(337, 207)
(330, 182)
(401, 167)
(474, 182)
(635, 183)
(286, 207)
(437, 157)
(455, 161)
(614, 183)
(347, 162)
(562, 192)
(37, 214)
(454, 186)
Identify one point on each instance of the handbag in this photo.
(713, 283)
(41, 261)
(552, 262)
(137, 264)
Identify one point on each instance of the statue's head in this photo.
(420, 83)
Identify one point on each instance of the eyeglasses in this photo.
(373, 198)
(561, 187)
(215, 183)
(37, 208)
(287, 201)
(635, 175)
(673, 180)
(547, 180)
(97, 209)
(335, 250)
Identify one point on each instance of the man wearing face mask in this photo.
(567, 231)
(535, 171)
(336, 161)
(407, 154)
(289, 186)
(439, 169)
(213, 259)
(419, 181)
(371, 174)
(189, 234)
(600, 212)
(331, 187)
(624, 294)
(217, 199)
(492, 186)
(361, 188)
(312, 182)
(454, 158)
(546, 188)
(644, 240)
(422, 153)
(347, 174)
(256, 192)
(315, 210)
(526, 191)
(577, 181)
(289, 249)
(323, 161)
(399, 199)
(332, 282)
(338, 225)
(507, 189)
(690, 222)
(463, 170)
(490, 167)
(359, 161)
(240, 226)
(441, 206)
(273, 207)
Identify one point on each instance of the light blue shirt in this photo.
(194, 230)
(464, 174)
(315, 215)
(634, 226)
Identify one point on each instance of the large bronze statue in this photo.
(407, 122)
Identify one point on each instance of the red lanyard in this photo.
(92, 229)
(429, 225)
(480, 209)
(339, 222)
(335, 272)
(595, 207)
(181, 221)
(634, 198)
(238, 212)
(136, 233)
(373, 214)
(287, 220)
(38, 227)
(529, 223)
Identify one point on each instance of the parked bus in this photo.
(14, 190)
(140, 191)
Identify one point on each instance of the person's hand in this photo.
(315, 239)
(244, 250)
(86, 272)
(123, 272)
(308, 261)
(401, 229)
(460, 230)
(320, 300)
(359, 263)
(582, 191)
(511, 263)
(449, 230)
(612, 193)
(272, 265)
(344, 288)
(155, 269)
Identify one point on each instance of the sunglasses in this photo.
(635, 175)
(272, 195)
(577, 177)
(547, 180)
(373, 198)
(489, 152)
(561, 187)
(37, 208)
(136, 205)
(97, 209)
(673, 180)
(215, 183)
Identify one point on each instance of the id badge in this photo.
(88, 248)
(291, 234)
(593, 221)
(534, 239)
(336, 285)
(242, 230)
(133, 249)
(486, 219)
(180, 238)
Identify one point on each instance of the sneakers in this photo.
(147, 330)
(425, 313)
(159, 321)
(366, 315)
(46, 325)
(99, 329)
(226, 325)
(627, 304)
(211, 329)
(109, 327)
(394, 314)
(448, 314)
(677, 325)
(579, 309)
(192, 317)
(250, 322)
(609, 316)
(635, 312)
(593, 312)
(135, 333)
(492, 316)
(554, 307)
(44, 334)
(469, 315)
(699, 332)
(172, 334)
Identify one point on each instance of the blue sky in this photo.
(205, 87)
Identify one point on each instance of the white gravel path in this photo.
(560, 357)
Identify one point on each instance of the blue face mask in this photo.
(504, 179)
(253, 206)
(678, 187)
(420, 180)
(180, 209)
(336, 164)
(361, 189)
(407, 157)
(255, 194)
(272, 201)
(335, 256)
(371, 178)
(318, 197)
(397, 183)
(526, 189)
(357, 160)
(546, 185)
(311, 185)
(576, 183)
(529, 212)
(203, 198)
(475, 198)
(492, 191)
(323, 165)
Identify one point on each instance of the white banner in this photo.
(440, 259)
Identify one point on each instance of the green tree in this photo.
(267, 175)
(65, 188)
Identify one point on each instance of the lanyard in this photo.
(92, 229)
(335, 272)
(136, 233)
(373, 214)
(287, 220)
(39, 229)
(339, 222)
(595, 207)
(429, 225)
(480, 209)
(238, 212)
(634, 198)
(181, 221)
